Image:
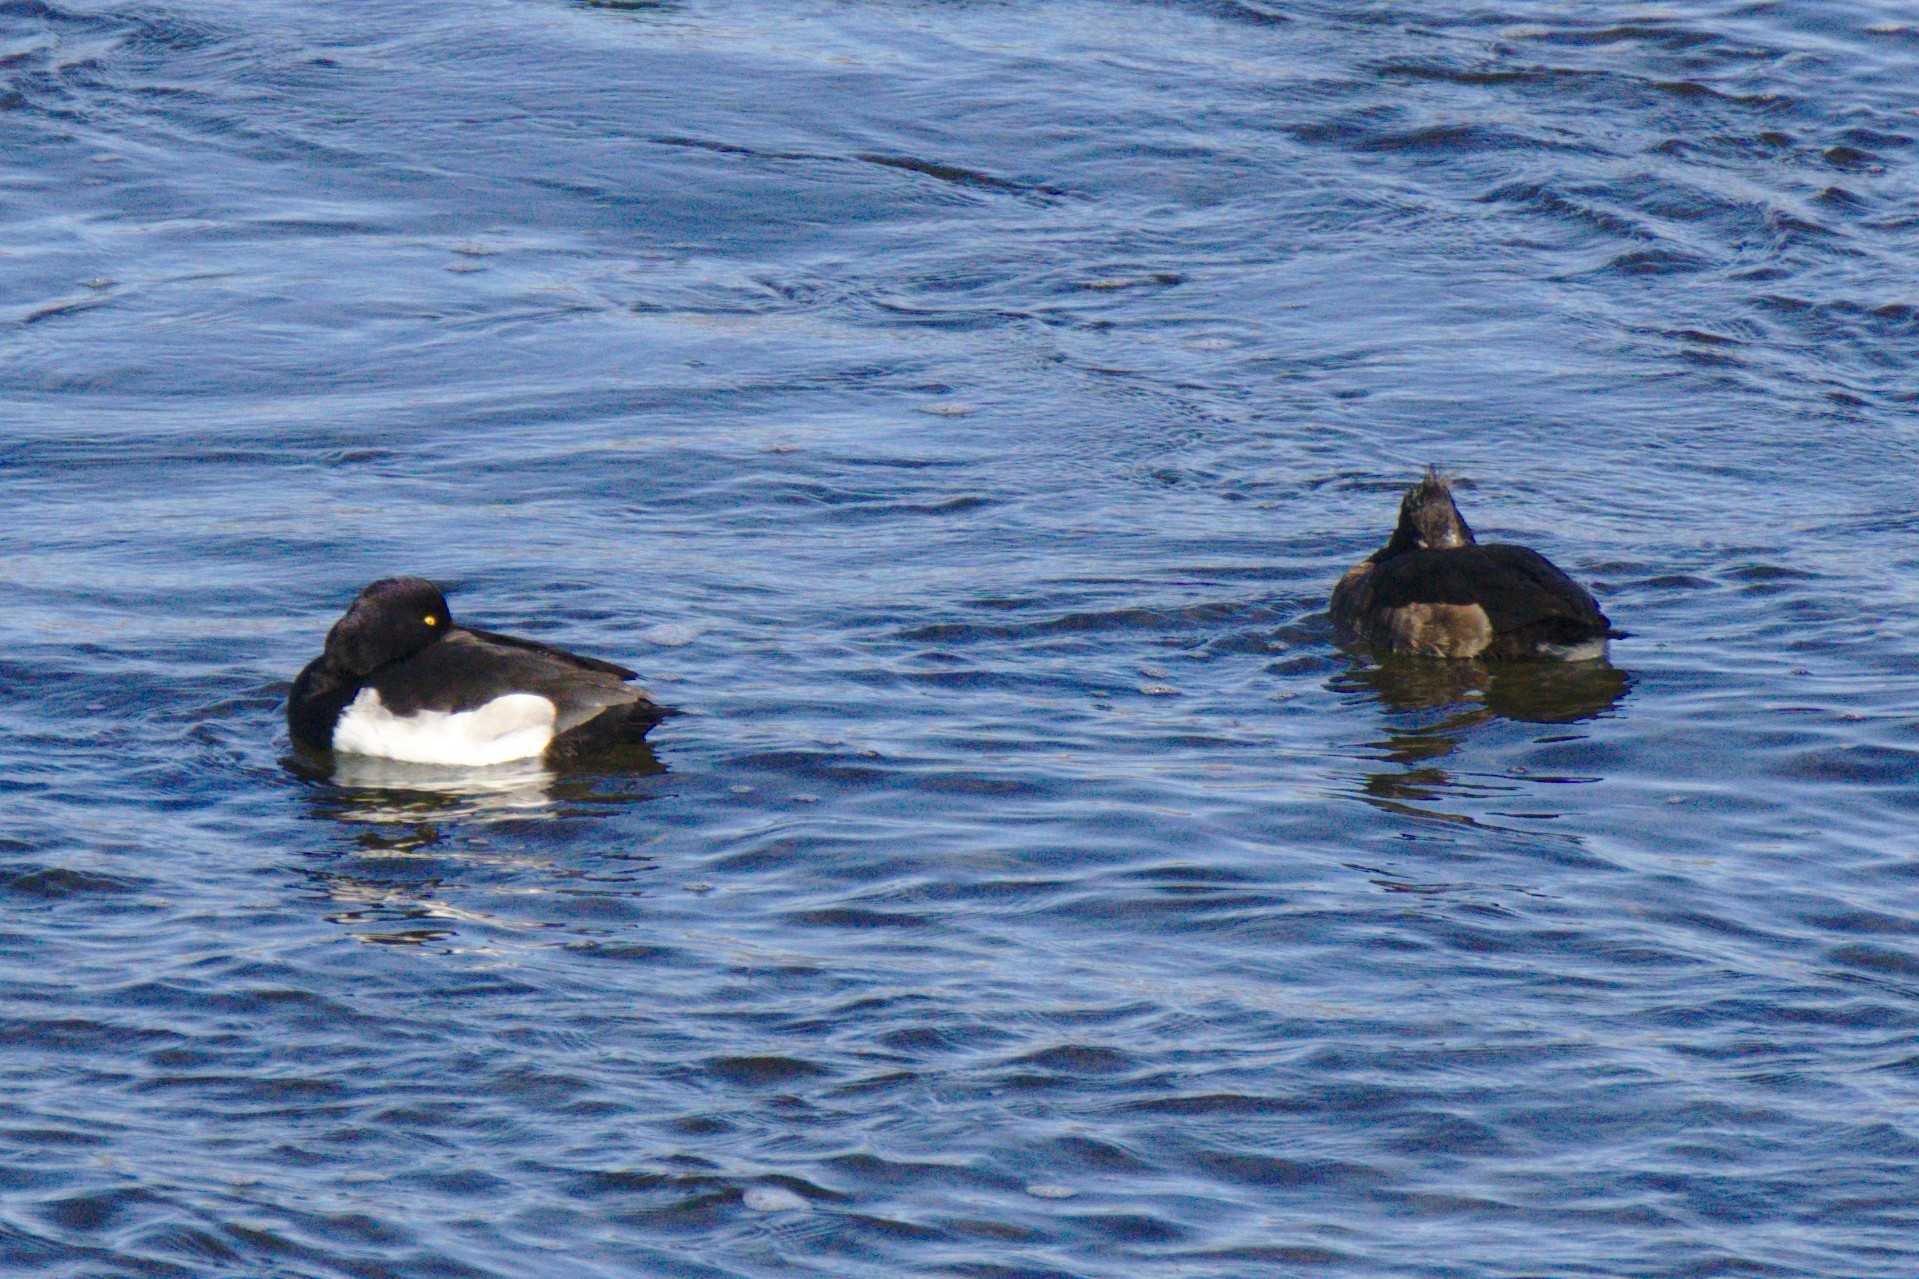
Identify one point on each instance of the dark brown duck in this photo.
(1435, 592)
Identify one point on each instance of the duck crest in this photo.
(1428, 519)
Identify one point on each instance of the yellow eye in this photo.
(431, 620)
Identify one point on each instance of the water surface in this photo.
(961, 412)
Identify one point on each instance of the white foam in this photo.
(516, 726)
(673, 634)
(773, 1199)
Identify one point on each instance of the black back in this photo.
(1518, 587)
(469, 668)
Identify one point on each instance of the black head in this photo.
(1428, 520)
(392, 619)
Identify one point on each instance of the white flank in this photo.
(1581, 652)
(516, 726)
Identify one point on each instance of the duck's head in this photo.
(392, 619)
(1428, 520)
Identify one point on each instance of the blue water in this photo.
(961, 412)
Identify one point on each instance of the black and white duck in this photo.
(400, 680)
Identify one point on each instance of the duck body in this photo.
(399, 680)
(1434, 591)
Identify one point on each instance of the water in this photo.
(962, 413)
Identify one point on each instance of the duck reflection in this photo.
(1531, 692)
(360, 788)
(391, 914)
(1432, 704)
(421, 874)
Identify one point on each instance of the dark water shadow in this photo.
(638, 8)
(1529, 692)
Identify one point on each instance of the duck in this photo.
(1434, 591)
(400, 679)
